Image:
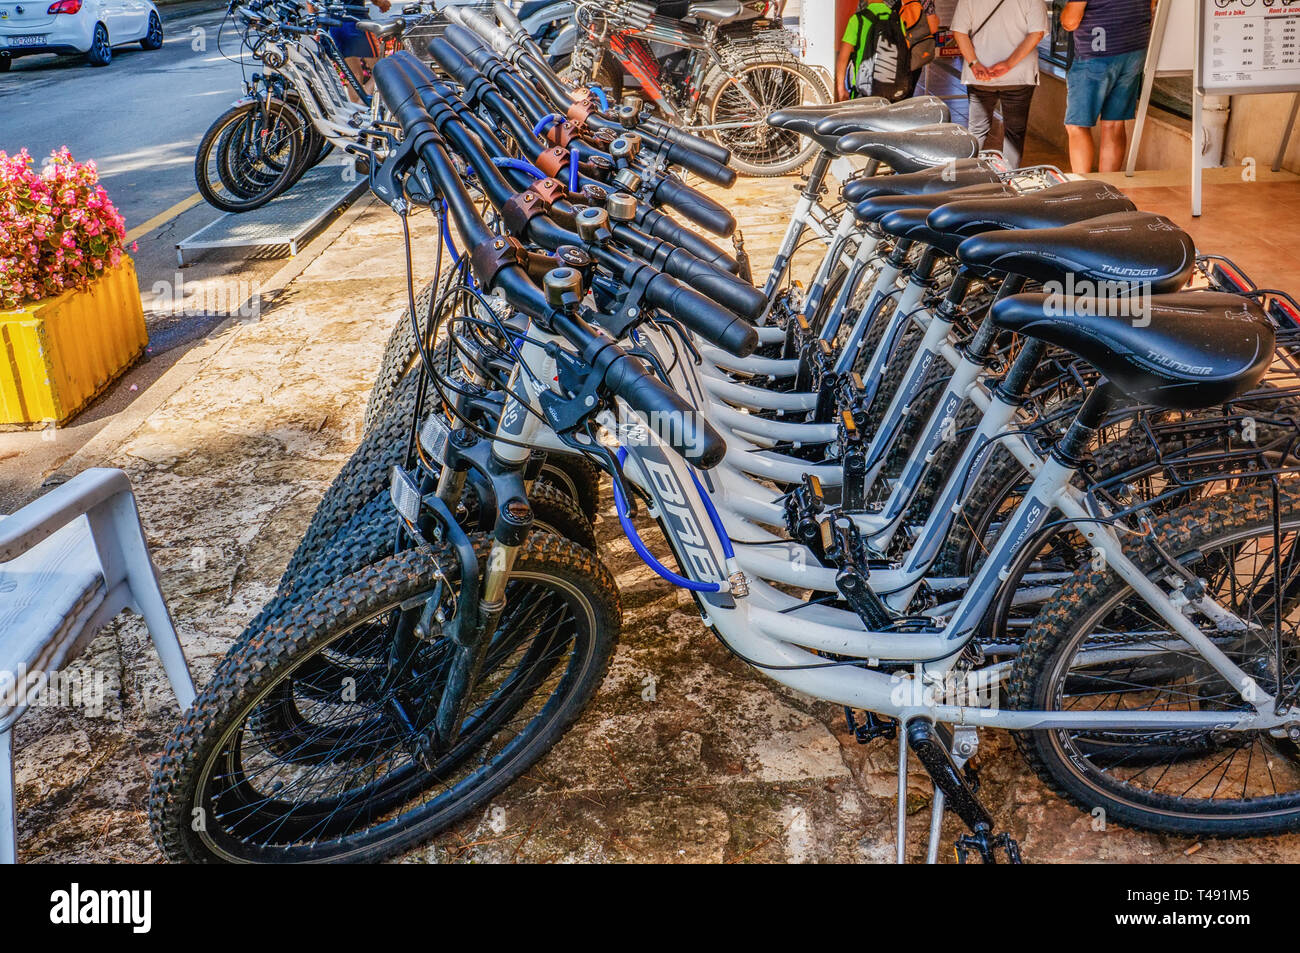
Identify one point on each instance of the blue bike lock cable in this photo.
(522, 165)
(546, 122)
(633, 537)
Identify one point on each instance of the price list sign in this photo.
(1250, 46)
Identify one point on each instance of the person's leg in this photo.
(981, 101)
(1015, 122)
(1114, 144)
(1119, 106)
(1082, 150)
(1082, 105)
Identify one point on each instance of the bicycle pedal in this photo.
(987, 846)
(873, 726)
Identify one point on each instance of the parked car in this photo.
(70, 27)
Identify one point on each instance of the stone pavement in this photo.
(684, 755)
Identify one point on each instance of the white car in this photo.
(92, 27)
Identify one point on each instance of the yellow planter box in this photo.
(60, 353)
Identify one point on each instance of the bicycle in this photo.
(1206, 673)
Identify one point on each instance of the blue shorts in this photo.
(354, 42)
(1105, 88)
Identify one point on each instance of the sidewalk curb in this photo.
(101, 447)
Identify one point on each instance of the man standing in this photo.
(873, 56)
(360, 49)
(1110, 44)
(998, 41)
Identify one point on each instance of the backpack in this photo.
(920, 41)
(881, 61)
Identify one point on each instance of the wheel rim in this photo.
(102, 50)
(155, 29)
(259, 802)
(749, 98)
(1208, 775)
(252, 157)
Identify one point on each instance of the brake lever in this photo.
(387, 178)
(653, 360)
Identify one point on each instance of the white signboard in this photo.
(1249, 46)
(1178, 38)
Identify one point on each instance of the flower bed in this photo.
(70, 314)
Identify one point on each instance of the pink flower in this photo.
(58, 227)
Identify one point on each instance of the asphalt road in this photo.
(140, 118)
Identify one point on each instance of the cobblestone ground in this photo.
(685, 754)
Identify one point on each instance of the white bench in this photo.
(69, 563)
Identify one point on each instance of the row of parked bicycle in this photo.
(720, 71)
(1016, 455)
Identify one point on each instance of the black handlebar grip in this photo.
(399, 93)
(701, 165)
(452, 61)
(702, 315)
(675, 421)
(694, 205)
(705, 147)
(661, 226)
(734, 294)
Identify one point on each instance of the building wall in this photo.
(1255, 129)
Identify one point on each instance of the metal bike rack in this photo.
(284, 224)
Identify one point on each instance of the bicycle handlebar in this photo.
(680, 148)
(676, 422)
(694, 205)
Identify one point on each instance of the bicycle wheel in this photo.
(1098, 646)
(248, 156)
(364, 783)
(737, 104)
(401, 353)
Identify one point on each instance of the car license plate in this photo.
(38, 40)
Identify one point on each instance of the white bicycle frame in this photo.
(323, 94)
(780, 634)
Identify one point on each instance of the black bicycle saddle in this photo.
(1186, 351)
(961, 173)
(1132, 249)
(914, 149)
(804, 119)
(1057, 205)
(896, 117)
(908, 224)
(878, 206)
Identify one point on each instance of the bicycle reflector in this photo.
(1284, 312)
(1230, 279)
(405, 495)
